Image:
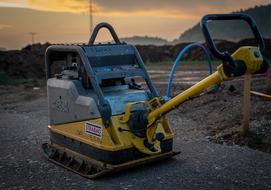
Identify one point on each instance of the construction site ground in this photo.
(213, 154)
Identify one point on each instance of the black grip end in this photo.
(234, 68)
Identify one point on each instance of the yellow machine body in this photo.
(112, 139)
(94, 147)
(118, 136)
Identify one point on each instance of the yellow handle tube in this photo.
(250, 56)
(196, 89)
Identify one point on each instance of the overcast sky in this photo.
(67, 20)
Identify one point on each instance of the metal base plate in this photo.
(90, 168)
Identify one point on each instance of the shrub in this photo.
(5, 79)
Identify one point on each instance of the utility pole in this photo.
(91, 16)
(32, 35)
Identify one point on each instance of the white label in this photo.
(94, 130)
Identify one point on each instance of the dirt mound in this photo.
(166, 53)
(25, 63)
(28, 63)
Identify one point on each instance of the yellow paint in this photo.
(125, 118)
(112, 138)
(248, 55)
(210, 81)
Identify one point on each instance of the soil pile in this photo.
(28, 63)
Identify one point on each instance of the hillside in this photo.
(233, 30)
(144, 40)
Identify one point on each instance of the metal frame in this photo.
(97, 29)
(102, 103)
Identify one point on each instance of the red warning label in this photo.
(94, 130)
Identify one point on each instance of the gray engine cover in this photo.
(119, 96)
(68, 101)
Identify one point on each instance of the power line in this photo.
(91, 16)
(32, 35)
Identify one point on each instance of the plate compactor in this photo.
(101, 120)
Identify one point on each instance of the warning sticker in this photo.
(94, 130)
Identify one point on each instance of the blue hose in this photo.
(180, 56)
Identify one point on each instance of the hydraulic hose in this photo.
(180, 56)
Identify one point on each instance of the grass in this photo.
(5, 79)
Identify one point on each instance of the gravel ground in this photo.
(202, 164)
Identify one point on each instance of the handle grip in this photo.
(98, 28)
(225, 56)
